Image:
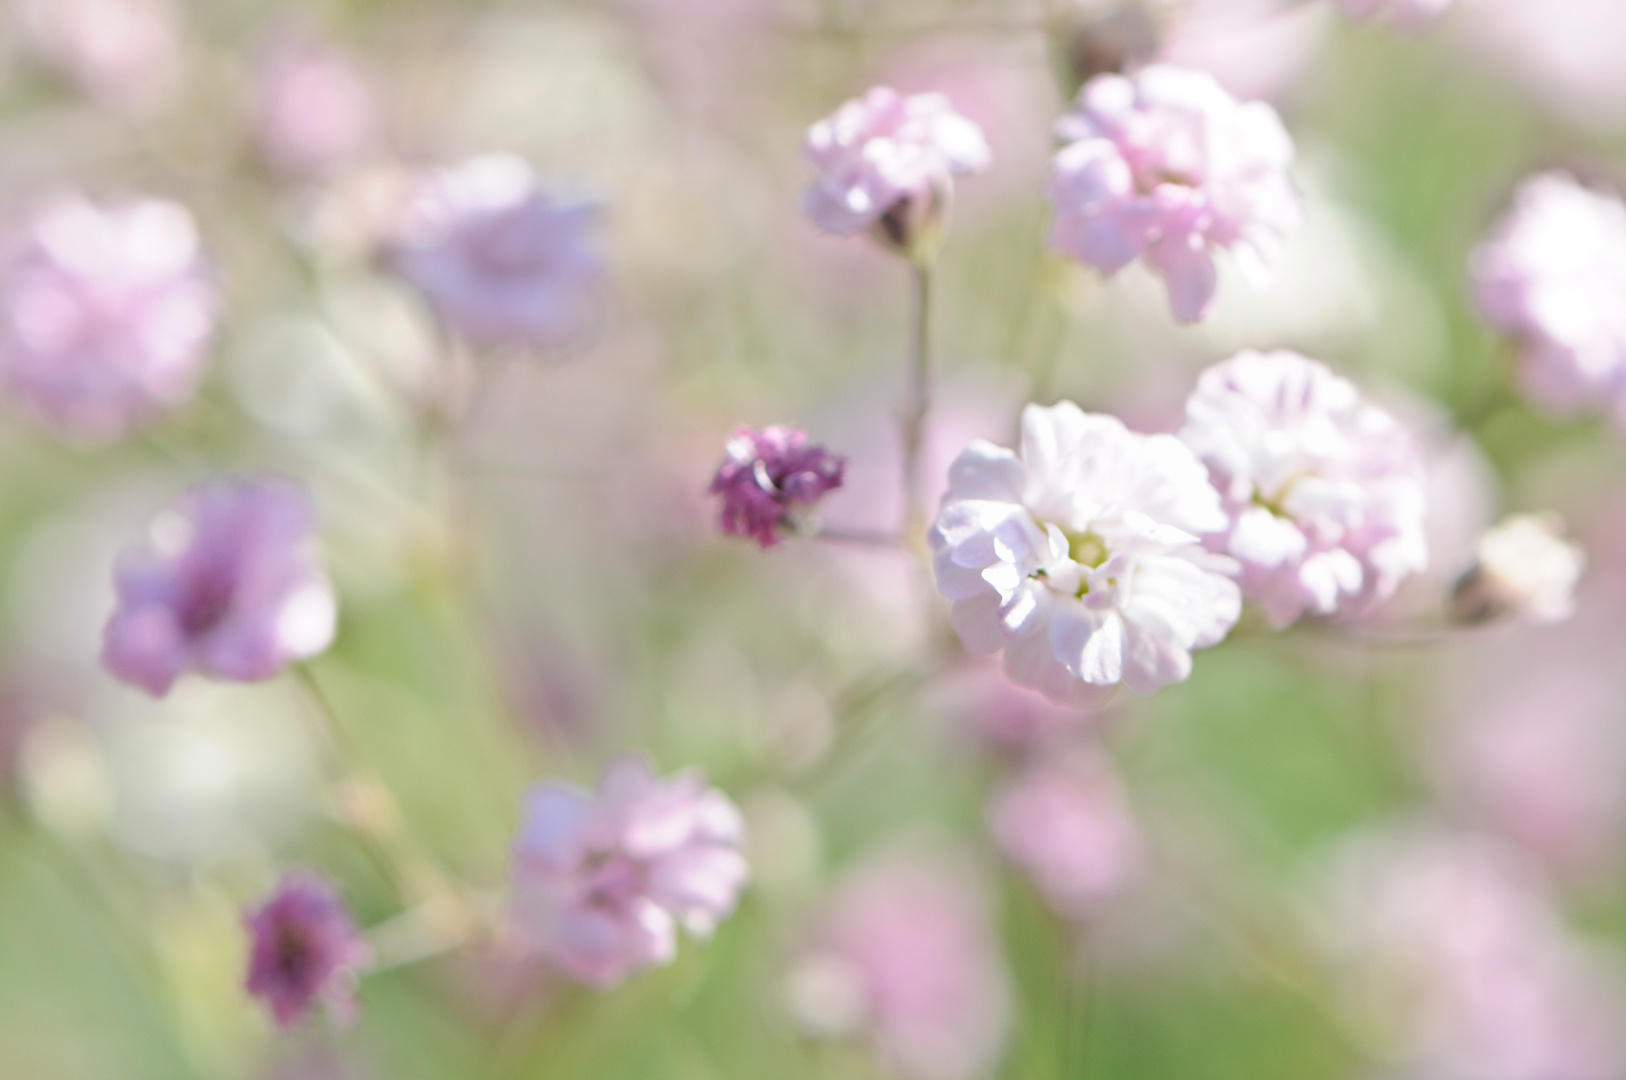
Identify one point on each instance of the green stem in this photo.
(918, 403)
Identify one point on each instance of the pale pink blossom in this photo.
(1167, 166)
(1550, 275)
(888, 156)
(906, 955)
(770, 479)
(1452, 950)
(304, 949)
(603, 880)
(105, 315)
(1081, 556)
(1323, 490)
(1404, 15)
(501, 262)
(124, 52)
(229, 584)
(1523, 570)
(313, 110)
(1068, 823)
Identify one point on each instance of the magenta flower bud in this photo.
(1168, 167)
(229, 584)
(304, 949)
(769, 481)
(603, 880)
(105, 315)
(886, 162)
(501, 262)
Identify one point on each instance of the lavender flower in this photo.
(1551, 275)
(770, 479)
(500, 261)
(1323, 491)
(304, 949)
(229, 585)
(1169, 167)
(886, 162)
(602, 880)
(105, 315)
(1081, 557)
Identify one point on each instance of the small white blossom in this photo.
(1523, 569)
(1081, 556)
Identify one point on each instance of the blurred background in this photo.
(1292, 853)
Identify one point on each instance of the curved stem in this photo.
(918, 402)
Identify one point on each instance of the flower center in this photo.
(1086, 549)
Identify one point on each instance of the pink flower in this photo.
(1081, 556)
(105, 315)
(769, 480)
(304, 948)
(1406, 15)
(906, 954)
(885, 159)
(124, 52)
(1069, 825)
(229, 585)
(1167, 166)
(1453, 951)
(602, 880)
(500, 261)
(1324, 491)
(1551, 274)
(313, 111)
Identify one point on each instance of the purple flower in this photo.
(229, 584)
(1551, 274)
(887, 160)
(105, 314)
(1068, 824)
(313, 111)
(1169, 167)
(1323, 490)
(602, 880)
(304, 948)
(769, 479)
(500, 261)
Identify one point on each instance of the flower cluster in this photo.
(1550, 275)
(1169, 167)
(304, 949)
(1323, 491)
(603, 880)
(769, 480)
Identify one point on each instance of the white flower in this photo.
(1523, 569)
(1324, 490)
(1080, 556)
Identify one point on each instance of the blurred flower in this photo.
(304, 948)
(1551, 274)
(500, 261)
(1407, 15)
(601, 880)
(106, 314)
(886, 162)
(228, 584)
(1454, 954)
(1324, 491)
(124, 52)
(313, 110)
(905, 954)
(769, 480)
(1079, 557)
(1168, 166)
(1523, 570)
(1068, 823)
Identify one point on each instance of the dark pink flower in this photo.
(603, 880)
(769, 479)
(229, 585)
(304, 949)
(105, 315)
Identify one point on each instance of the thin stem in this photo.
(919, 401)
(861, 537)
